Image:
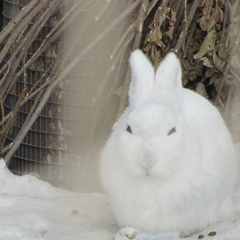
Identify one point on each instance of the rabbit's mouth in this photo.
(150, 175)
(148, 172)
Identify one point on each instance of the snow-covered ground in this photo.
(31, 209)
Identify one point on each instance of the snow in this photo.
(31, 209)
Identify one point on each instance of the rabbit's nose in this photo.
(146, 160)
(147, 165)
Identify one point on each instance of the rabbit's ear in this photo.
(168, 79)
(142, 78)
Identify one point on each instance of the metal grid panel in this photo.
(55, 146)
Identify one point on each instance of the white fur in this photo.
(155, 181)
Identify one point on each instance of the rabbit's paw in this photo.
(126, 233)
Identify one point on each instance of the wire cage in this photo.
(60, 146)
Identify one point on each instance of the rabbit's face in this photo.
(149, 141)
(148, 136)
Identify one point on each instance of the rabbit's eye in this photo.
(129, 129)
(173, 130)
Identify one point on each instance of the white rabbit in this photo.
(169, 163)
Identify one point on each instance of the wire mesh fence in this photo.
(61, 141)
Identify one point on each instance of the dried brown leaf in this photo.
(222, 52)
(219, 64)
(160, 44)
(206, 24)
(158, 33)
(170, 32)
(215, 79)
(208, 45)
(153, 53)
(147, 48)
(154, 35)
(193, 70)
(219, 14)
(152, 38)
(206, 62)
